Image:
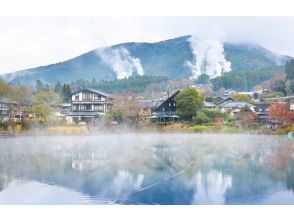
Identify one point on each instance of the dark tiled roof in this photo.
(92, 90)
(169, 98)
(209, 104)
(82, 114)
(235, 104)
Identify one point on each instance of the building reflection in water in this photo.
(88, 161)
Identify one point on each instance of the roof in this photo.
(261, 107)
(280, 98)
(171, 97)
(235, 104)
(165, 114)
(82, 114)
(209, 104)
(91, 90)
(224, 100)
(5, 101)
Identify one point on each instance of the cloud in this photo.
(27, 42)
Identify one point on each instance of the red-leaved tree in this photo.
(280, 111)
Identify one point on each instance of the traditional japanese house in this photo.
(87, 105)
(166, 111)
(261, 110)
(8, 110)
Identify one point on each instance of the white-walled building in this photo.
(88, 104)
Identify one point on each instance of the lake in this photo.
(147, 168)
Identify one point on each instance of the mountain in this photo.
(165, 58)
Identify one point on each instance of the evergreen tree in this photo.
(289, 70)
(58, 88)
(65, 93)
(39, 86)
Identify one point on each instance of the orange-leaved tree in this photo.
(280, 111)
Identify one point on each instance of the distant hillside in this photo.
(165, 58)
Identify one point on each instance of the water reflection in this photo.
(147, 169)
(210, 188)
(32, 192)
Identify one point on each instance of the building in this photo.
(245, 117)
(209, 105)
(8, 110)
(289, 100)
(87, 105)
(234, 107)
(166, 111)
(261, 110)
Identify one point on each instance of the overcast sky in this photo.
(27, 42)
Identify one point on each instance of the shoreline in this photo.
(32, 133)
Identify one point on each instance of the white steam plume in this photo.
(121, 62)
(209, 58)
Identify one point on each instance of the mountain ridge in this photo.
(163, 58)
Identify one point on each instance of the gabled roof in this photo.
(262, 107)
(225, 100)
(171, 97)
(209, 104)
(235, 104)
(91, 90)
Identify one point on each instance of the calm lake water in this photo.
(147, 169)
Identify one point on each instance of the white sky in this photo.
(27, 42)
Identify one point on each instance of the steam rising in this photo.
(121, 62)
(209, 58)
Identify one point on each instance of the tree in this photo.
(189, 102)
(3, 89)
(65, 93)
(42, 112)
(203, 79)
(289, 70)
(242, 97)
(222, 90)
(126, 108)
(279, 111)
(246, 117)
(40, 86)
(255, 95)
(58, 88)
(201, 118)
(280, 86)
(48, 98)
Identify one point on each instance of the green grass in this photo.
(214, 128)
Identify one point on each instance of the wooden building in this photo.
(166, 111)
(88, 104)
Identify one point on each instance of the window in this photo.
(88, 108)
(87, 97)
(97, 97)
(98, 108)
(163, 109)
(77, 97)
(75, 107)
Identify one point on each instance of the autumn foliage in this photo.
(279, 111)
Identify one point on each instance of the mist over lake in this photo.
(145, 168)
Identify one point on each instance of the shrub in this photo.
(201, 118)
